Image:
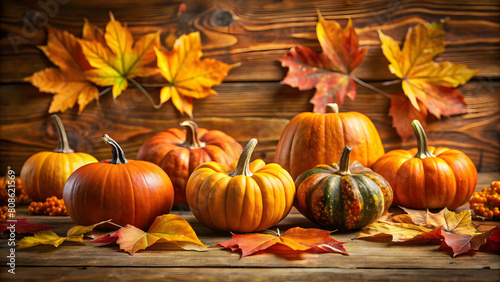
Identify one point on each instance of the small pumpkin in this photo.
(252, 197)
(179, 152)
(128, 192)
(344, 195)
(427, 177)
(43, 175)
(310, 139)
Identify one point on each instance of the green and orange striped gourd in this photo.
(344, 195)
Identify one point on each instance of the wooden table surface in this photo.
(367, 260)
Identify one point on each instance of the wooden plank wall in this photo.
(251, 101)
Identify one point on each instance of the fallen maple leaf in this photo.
(187, 75)
(454, 231)
(329, 72)
(68, 82)
(119, 59)
(167, 228)
(424, 80)
(22, 226)
(74, 234)
(295, 240)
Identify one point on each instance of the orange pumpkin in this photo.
(179, 152)
(43, 175)
(128, 192)
(250, 198)
(310, 139)
(427, 177)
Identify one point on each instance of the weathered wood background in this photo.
(251, 101)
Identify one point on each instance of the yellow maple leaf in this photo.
(167, 228)
(67, 82)
(422, 78)
(189, 76)
(119, 59)
(48, 237)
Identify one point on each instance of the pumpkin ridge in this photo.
(269, 216)
(214, 188)
(319, 181)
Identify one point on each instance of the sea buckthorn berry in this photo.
(52, 207)
(486, 203)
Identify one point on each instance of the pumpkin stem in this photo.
(332, 108)
(192, 141)
(243, 164)
(344, 161)
(423, 148)
(62, 138)
(116, 150)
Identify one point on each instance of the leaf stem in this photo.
(145, 93)
(104, 91)
(370, 86)
(391, 82)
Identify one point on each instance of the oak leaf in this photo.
(48, 237)
(167, 228)
(188, 76)
(424, 80)
(329, 72)
(295, 240)
(68, 81)
(454, 231)
(118, 59)
(21, 226)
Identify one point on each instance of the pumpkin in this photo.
(344, 195)
(128, 192)
(179, 152)
(310, 139)
(427, 177)
(252, 197)
(43, 175)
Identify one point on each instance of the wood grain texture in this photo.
(251, 102)
(367, 260)
(363, 255)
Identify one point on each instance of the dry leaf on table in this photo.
(295, 240)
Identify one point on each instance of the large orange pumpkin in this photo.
(250, 198)
(128, 192)
(43, 175)
(310, 139)
(179, 152)
(427, 177)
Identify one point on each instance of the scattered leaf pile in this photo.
(454, 231)
(295, 241)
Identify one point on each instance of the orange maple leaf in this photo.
(424, 80)
(295, 240)
(68, 82)
(330, 72)
(188, 76)
(118, 59)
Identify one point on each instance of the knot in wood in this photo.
(222, 18)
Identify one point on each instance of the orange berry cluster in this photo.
(486, 203)
(52, 206)
(4, 214)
